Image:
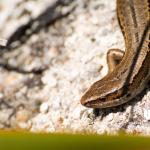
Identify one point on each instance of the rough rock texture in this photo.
(74, 49)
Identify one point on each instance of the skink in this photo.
(129, 72)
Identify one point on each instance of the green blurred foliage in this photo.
(30, 141)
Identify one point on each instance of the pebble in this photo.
(44, 107)
(147, 114)
(23, 115)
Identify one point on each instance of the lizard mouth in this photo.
(102, 103)
(97, 103)
(108, 100)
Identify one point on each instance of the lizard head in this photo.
(104, 93)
